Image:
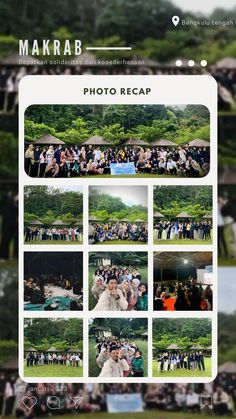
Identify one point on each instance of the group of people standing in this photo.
(119, 358)
(64, 234)
(93, 160)
(188, 230)
(117, 289)
(125, 231)
(171, 361)
(179, 296)
(53, 358)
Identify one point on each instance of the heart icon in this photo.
(29, 402)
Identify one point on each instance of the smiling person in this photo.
(112, 299)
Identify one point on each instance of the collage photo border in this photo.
(44, 90)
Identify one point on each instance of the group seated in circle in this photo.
(185, 230)
(65, 234)
(125, 231)
(53, 358)
(180, 360)
(53, 293)
(93, 160)
(119, 289)
(182, 296)
(118, 357)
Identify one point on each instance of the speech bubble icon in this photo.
(175, 20)
(53, 403)
(29, 402)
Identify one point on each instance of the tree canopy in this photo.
(104, 206)
(182, 332)
(145, 25)
(49, 204)
(116, 123)
(172, 200)
(61, 334)
(125, 327)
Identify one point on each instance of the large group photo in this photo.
(182, 215)
(118, 215)
(53, 215)
(53, 281)
(53, 347)
(117, 140)
(182, 347)
(118, 281)
(118, 347)
(183, 281)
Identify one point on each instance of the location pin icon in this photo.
(175, 20)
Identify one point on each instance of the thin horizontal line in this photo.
(109, 48)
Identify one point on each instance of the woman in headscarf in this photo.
(134, 284)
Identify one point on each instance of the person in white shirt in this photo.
(192, 400)
(112, 299)
(97, 154)
(115, 366)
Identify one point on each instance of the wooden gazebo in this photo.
(59, 223)
(163, 143)
(35, 223)
(199, 143)
(135, 142)
(48, 139)
(183, 215)
(96, 140)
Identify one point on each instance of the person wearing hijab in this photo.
(134, 284)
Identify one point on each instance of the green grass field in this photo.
(231, 260)
(180, 242)
(92, 269)
(94, 370)
(53, 371)
(123, 242)
(148, 414)
(35, 242)
(184, 373)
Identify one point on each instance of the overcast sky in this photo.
(204, 6)
(130, 195)
(226, 289)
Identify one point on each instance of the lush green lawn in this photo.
(94, 370)
(148, 414)
(51, 242)
(92, 269)
(123, 242)
(53, 371)
(184, 373)
(185, 241)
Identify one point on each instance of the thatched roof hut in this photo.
(59, 223)
(94, 218)
(52, 349)
(173, 347)
(13, 59)
(184, 215)
(48, 139)
(227, 63)
(199, 143)
(35, 223)
(227, 368)
(30, 349)
(157, 214)
(163, 143)
(207, 216)
(135, 141)
(96, 140)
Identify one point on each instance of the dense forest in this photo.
(183, 332)
(125, 327)
(171, 200)
(48, 204)
(104, 206)
(145, 25)
(61, 334)
(75, 123)
(121, 258)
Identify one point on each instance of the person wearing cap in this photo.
(112, 299)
